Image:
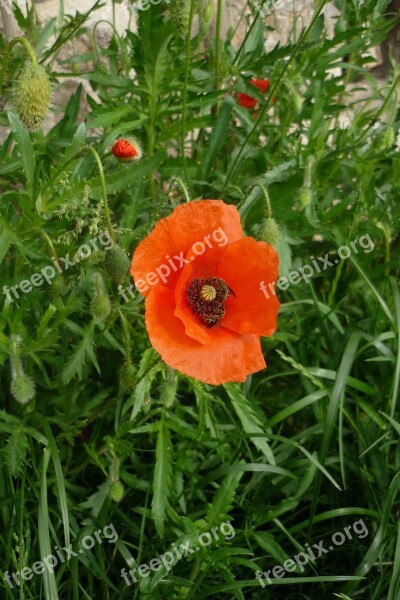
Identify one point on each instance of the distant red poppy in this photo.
(248, 101)
(127, 150)
(205, 312)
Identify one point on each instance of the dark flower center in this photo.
(207, 298)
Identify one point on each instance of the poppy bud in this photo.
(386, 139)
(127, 376)
(32, 96)
(100, 307)
(116, 491)
(116, 263)
(127, 150)
(179, 11)
(23, 388)
(305, 197)
(207, 12)
(297, 102)
(269, 231)
(340, 25)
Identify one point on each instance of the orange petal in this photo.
(244, 266)
(228, 356)
(209, 222)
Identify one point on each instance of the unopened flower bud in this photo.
(116, 263)
(269, 231)
(100, 307)
(386, 139)
(23, 388)
(297, 102)
(32, 96)
(116, 491)
(179, 11)
(305, 197)
(127, 150)
(207, 12)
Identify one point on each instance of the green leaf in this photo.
(267, 542)
(162, 477)
(249, 420)
(25, 149)
(14, 452)
(218, 137)
(50, 585)
(220, 507)
(78, 360)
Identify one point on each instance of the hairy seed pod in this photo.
(305, 197)
(116, 491)
(179, 11)
(116, 263)
(269, 231)
(32, 96)
(23, 388)
(207, 11)
(386, 139)
(297, 102)
(100, 307)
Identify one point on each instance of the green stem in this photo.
(128, 356)
(119, 41)
(309, 172)
(185, 86)
(243, 44)
(103, 190)
(99, 284)
(150, 144)
(15, 357)
(218, 45)
(178, 181)
(195, 570)
(267, 200)
(7, 54)
(29, 50)
(49, 242)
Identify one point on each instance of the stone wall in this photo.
(283, 14)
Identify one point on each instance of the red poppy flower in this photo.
(201, 279)
(248, 101)
(127, 150)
